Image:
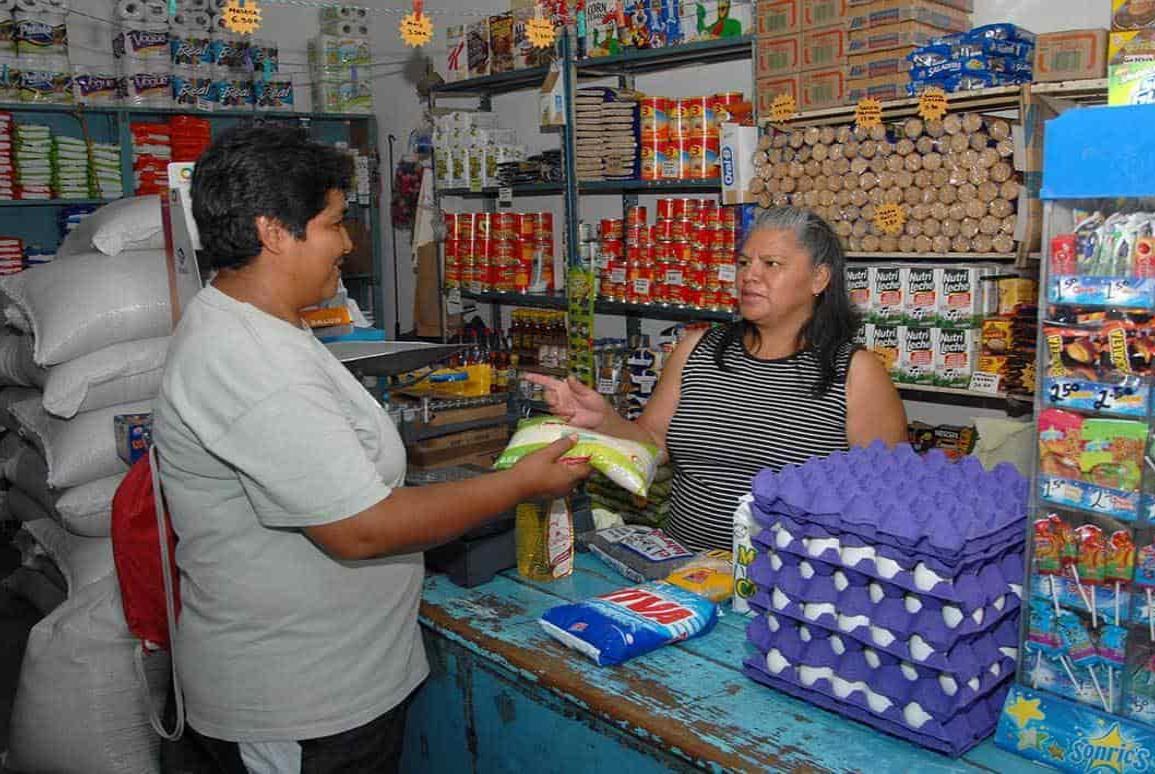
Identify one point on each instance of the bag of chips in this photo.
(617, 626)
(629, 464)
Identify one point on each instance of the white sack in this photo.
(8, 397)
(17, 368)
(83, 560)
(122, 373)
(133, 223)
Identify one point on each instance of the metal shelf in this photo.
(528, 189)
(649, 60)
(713, 185)
(53, 202)
(950, 391)
(437, 431)
(532, 300)
(955, 257)
(48, 107)
(495, 84)
(651, 312)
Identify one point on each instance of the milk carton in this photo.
(954, 357)
(858, 287)
(920, 296)
(887, 284)
(885, 343)
(962, 302)
(916, 354)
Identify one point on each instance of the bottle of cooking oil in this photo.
(544, 539)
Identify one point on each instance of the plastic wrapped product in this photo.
(629, 464)
(618, 626)
(709, 575)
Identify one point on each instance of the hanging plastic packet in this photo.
(709, 575)
(1087, 238)
(639, 553)
(629, 464)
(618, 626)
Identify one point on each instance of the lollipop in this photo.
(1079, 649)
(1091, 564)
(1145, 578)
(1112, 650)
(1048, 546)
(1119, 566)
(1042, 632)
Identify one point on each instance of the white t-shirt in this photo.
(261, 432)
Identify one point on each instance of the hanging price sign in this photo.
(868, 113)
(783, 108)
(540, 31)
(416, 28)
(242, 16)
(932, 104)
(890, 218)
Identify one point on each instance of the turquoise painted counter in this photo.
(503, 696)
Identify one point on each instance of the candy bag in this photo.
(629, 464)
(617, 626)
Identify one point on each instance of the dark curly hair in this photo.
(834, 320)
(247, 172)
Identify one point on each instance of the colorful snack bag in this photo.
(617, 626)
(709, 575)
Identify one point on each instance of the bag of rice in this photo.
(629, 464)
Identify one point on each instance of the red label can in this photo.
(504, 224)
(638, 236)
(636, 216)
(704, 238)
(483, 224)
(464, 225)
(505, 251)
(544, 226)
(527, 225)
(610, 229)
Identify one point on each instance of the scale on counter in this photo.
(187, 276)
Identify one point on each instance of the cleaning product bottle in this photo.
(545, 542)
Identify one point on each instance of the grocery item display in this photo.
(991, 55)
(470, 147)
(504, 252)
(953, 181)
(606, 28)
(888, 589)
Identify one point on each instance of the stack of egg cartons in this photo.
(888, 589)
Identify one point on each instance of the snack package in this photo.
(618, 626)
(629, 464)
(709, 575)
(639, 553)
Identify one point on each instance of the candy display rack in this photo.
(1084, 697)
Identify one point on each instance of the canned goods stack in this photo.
(685, 258)
(680, 137)
(503, 252)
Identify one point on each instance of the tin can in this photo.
(709, 215)
(463, 225)
(702, 158)
(611, 250)
(720, 104)
(729, 218)
(665, 208)
(683, 253)
(504, 277)
(522, 274)
(638, 236)
(610, 229)
(725, 240)
(700, 118)
(483, 224)
(636, 216)
(652, 155)
(704, 238)
(504, 251)
(544, 227)
(664, 253)
(450, 220)
(677, 159)
(527, 225)
(654, 117)
(504, 225)
(639, 282)
(545, 246)
(678, 118)
(659, 293)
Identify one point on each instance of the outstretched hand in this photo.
(571, 400)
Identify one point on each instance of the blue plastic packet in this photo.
(617, 626)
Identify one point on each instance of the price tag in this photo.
(606, 386)
(618, 275)
(1100, 501)
(642, 287)
(505, 196)
(475, 287)
(985, 383)
(673, 277)
(728, 273)
(783, 108)
(932, 104)
(868, 113)
(455, 296)
(890, 218)
(1052, 488)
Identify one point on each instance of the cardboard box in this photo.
(858, 288)
(824, 49)
(501, 43)
(456, 61)
(738, 146)
(954, 358)
(477, 49)
(967, 6)
(818, 14)
(917, 347)
(886, 344)
(884, 12)
(887, 284)
(920, 296)
(1132, 15)
(879, 64)
(891, 36)
(1131, 68)
(882, 88)
(1071, 55)
(456, 416)
(490, 436)
(823, 88)
(483, 454)
(963, 301)
(777, 56)
(774, 19)
(769, 88)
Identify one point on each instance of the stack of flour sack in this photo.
(88, 334)
(888, 589)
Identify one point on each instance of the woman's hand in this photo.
(573, 401)
(546, 474)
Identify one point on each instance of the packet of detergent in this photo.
(617, 626)
(629, 464)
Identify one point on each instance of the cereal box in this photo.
(477, 50)
(501, 43)
(858, 287)
(885, 343)
(887, 284)
(954, 358)
(962, 301)
(920, 296)
(456, 62)
(917, 348)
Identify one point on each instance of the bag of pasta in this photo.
(629, 464)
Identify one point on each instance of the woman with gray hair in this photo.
(782, 384)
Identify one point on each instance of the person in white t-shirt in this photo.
(299, 549)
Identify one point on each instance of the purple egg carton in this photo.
(817, 539)
(827, 593)
(966, 658)
(955, 738)
(897, 496)
(970, 590)
(938, 693)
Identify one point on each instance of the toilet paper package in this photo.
(193, 89)
(190, 49)
(353, 96)
(40, 33)
(92, 86)
(45, 79)
(234, 93)
(274, 94)
(149, 86)
(7, 32)
(142, 41)
(334, 50)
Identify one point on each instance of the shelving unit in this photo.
(110, 124)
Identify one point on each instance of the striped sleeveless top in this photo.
(729, 425)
